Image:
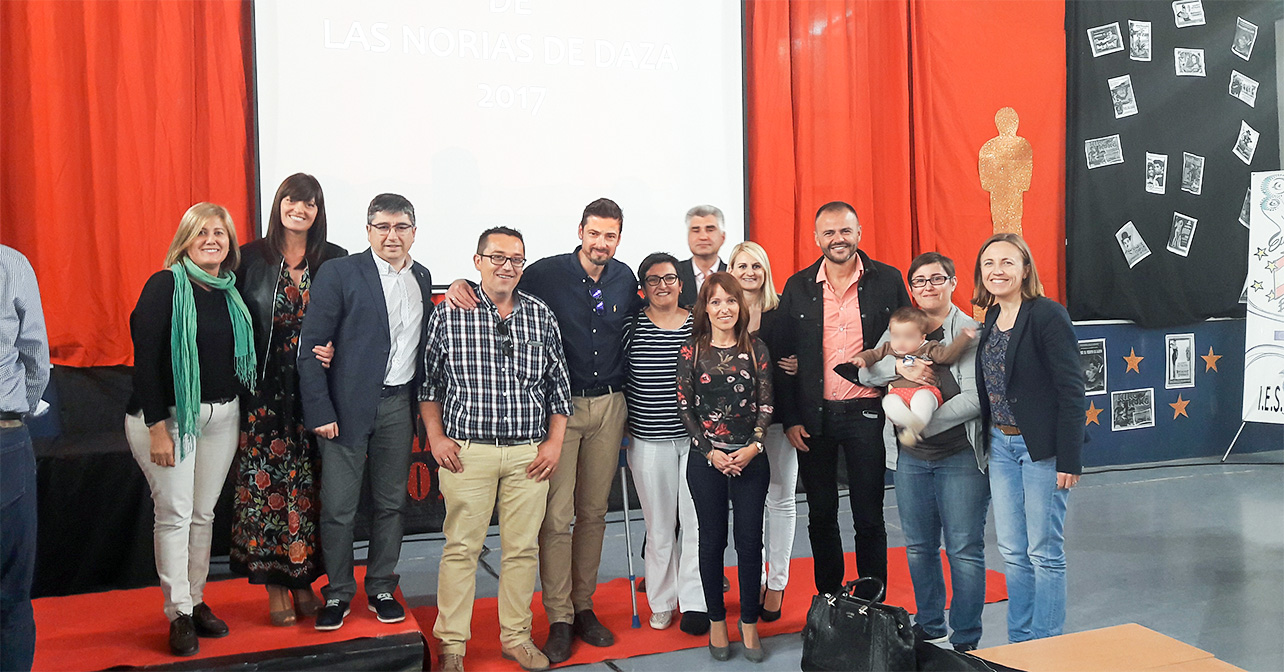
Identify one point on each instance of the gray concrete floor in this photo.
(1193, 550)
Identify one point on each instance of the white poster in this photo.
(1264, 333)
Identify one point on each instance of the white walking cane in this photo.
(628, 538)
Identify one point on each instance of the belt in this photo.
(596, 391)
(506, 441)
(850, 404)
(1010, 430)
(393, 390)
(10, 424)
(10, 415)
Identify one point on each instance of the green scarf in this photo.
(182, 342)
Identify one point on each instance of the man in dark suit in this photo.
(830, 311)
(706, 231)
(372, 306)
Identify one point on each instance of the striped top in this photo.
(651, 359)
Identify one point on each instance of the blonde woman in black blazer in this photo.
(1031, 393)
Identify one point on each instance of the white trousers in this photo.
(672, 557)
(183, 497)
(781, 514)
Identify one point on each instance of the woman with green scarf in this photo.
(193, 357)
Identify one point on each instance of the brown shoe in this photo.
(591, 631)
(207, 624)
(558, 645)
(450, 662)
(182, 636)
(527, 655)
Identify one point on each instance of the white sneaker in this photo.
(661, 620)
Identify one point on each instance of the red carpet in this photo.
(612, 605)
(126, 627)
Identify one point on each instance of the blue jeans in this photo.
(17, 549)
(947, 496)
(1029, 519)
(747, 495)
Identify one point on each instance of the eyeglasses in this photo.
(505, 338)
(599, 306)
(655, 280)
(385, 229)
(936, 280)
(500, 260)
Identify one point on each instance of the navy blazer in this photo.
(686, 273)
(347, 306)
(1044, 382)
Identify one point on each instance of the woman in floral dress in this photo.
(275, 531)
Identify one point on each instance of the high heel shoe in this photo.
(719, 653)
(279, 608)
(752, 655)
(306, 603)
(770, 616)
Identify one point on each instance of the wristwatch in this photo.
(760, 446)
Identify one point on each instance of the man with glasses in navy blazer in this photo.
(372, 306)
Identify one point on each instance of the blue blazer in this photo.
(1044, 382)
(347, 306)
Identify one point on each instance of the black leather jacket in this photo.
(800, 329)
(257, 280)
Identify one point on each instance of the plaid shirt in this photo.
(494, 386)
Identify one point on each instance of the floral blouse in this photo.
(724, 395)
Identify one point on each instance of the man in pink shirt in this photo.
(829, 312)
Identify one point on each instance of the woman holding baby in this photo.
(941, 485)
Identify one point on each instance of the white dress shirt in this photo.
(405, 304)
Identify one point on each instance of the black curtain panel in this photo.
(1170, 107)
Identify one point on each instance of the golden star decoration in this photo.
(1092, 414)
(1261, 253)
(1257, 285)
(1210, 360)
(1133, 361)
(1179, 408)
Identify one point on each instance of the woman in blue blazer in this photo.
(1031, 393)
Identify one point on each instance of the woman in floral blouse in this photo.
(725, 402)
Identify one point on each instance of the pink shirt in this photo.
(844, 336)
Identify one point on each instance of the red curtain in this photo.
(117, 117)
(829, 119)
(886, 104)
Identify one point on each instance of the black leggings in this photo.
(712, 490)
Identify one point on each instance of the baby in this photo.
(907, 404)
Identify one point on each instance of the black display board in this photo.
(1197, 271)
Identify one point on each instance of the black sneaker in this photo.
(921, 635)
(330, 616)
(182, 636)
(964, 648)
(387, 608)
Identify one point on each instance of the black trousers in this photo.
(711, 490)
(854, 427)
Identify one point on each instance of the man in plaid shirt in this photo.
(495, 401)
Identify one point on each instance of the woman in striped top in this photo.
(660, 446)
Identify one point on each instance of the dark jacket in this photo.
(686, 273)
(1044, 382)
(800, 398)
(347, 306)
(257, 280)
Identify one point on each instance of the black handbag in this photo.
(854, 631)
